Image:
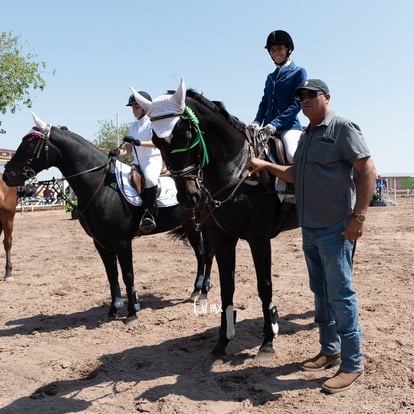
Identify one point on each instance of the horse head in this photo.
(177, 134)
(22, 166)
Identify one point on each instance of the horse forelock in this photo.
(217, 107)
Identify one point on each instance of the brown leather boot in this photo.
(342, 381)
(320, 362)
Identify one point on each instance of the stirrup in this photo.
(147, 223)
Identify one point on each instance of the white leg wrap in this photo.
(230, 332)
(273, 318)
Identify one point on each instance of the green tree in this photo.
(19, 74)
(110, 137)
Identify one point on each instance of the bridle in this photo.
(42, 145)
(195, 170)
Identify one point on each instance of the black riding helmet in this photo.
(279, 37)
(131, 99)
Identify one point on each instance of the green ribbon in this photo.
(198, 138)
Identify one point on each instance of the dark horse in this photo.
(206, 151)
(7, 211)
(105, 214)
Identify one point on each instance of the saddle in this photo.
(277, 150)
(273, 150)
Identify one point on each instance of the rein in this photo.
(42, 146)
(188, 172)
(99, 186)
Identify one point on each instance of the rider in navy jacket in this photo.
(278, 110)
(279, 107)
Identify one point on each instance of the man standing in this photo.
(334, 178)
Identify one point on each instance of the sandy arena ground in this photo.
(59, 353)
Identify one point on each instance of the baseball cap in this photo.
(314, 85)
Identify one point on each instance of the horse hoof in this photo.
(266, 352)
(264, 356)
(131, 320)
(218, 352)
(195, 296)
(113, 313)
(8, 278)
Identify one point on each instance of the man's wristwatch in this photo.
(358, 217)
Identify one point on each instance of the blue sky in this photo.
(362, 49)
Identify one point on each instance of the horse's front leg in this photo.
(124, 253)
(8, 276)
(262, 258)
(108, 257)
(7, 242)
(225, 253)
(208, 258)
(204, 256)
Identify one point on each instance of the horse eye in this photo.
(188, 135)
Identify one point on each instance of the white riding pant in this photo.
(151, 168)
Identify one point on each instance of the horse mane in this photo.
(215, 106)
(65, 130)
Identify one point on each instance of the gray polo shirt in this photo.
(324, 186)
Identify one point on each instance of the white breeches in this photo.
(151, 168)
(290, 140)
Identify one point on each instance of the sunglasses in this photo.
(309, 94)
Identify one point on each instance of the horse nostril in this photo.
(195, 199)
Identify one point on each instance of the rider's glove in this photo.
(114, 152)
(268, 130)
(132, 140)
(254, 127)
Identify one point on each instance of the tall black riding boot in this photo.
(149, 203)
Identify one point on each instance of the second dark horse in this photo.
(206, 150)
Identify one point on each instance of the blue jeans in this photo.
(328, 257)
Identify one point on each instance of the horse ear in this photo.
(39, 123)
(180, 94)
(143, 102)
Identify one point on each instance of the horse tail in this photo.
(178, 234)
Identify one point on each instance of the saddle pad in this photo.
(167, 197)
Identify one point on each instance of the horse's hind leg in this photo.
(261, 252)
(109, 260)
(225, 253)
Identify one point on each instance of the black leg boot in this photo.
(149, 202)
